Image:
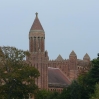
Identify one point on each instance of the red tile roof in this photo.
(36, 24)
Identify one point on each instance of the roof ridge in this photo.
(65, 75)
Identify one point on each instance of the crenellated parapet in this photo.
(70, 67)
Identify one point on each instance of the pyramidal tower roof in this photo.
(59, 58)
(72, 53)
(86, 56)
(36, 24)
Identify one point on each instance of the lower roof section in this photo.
(56, 78)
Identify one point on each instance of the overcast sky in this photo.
(68, 25)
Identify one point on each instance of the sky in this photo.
(68, 25)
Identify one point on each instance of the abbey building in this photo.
(56, 74)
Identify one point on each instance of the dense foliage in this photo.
(17, 78)
(96, 92)
(43, 94)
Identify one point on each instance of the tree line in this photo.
(17, 79)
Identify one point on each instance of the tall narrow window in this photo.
(34, 44)
(31, 44)
(39, 43)
(42, 44)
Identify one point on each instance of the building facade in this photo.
(54, 74)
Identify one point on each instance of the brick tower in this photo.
(39, 57)
(73, 65)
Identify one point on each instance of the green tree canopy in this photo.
(42, 94)
(96, 93)
(66, 93)
(17, 77)
(93, 76)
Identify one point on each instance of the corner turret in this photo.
(59, 58)
(86, 57)
(73, 65)
(73, 54)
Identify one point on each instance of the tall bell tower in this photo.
(38, 56)
(36, 36)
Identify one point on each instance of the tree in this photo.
(93, 76)
(54, 95)
(96, 93)
(76, 90)
(65, 94)
(17, 77)
(42, 94)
